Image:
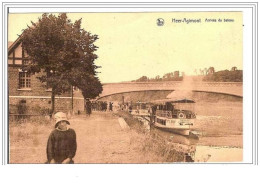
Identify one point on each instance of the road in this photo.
(100, 139)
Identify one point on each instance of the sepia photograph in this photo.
(125, 87)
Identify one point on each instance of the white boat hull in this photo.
(181, 131)
(179, 126)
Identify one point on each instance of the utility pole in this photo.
(72, 99)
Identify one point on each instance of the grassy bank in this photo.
(28, 138)
(100, 140)
(155, 147)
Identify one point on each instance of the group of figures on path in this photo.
(98, 106)
(105, 106)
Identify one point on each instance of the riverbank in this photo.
(100, 139)
(208, 147)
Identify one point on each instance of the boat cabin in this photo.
(182, 109)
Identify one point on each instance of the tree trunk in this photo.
(72, 99)
(52, 102)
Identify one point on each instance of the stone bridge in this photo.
(228, 88)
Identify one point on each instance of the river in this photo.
(194, 146)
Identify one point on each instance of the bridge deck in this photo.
(229, 88)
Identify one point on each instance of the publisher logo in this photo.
(160, 22)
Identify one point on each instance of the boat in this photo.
(176, 116)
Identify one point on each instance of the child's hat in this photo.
(60, 116)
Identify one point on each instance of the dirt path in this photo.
(100, 139)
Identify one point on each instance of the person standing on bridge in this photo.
(62, 145)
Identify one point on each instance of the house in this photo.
(27, 90)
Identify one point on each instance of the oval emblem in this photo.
(160, 22)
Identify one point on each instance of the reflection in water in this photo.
(193, 152)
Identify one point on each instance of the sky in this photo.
(132, 45)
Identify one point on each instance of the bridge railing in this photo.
(175, 83)
(235, 88)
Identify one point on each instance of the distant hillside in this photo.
(166, 77)
(220, 76)
(225, 76)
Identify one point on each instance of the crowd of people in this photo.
(102, 106)
(105, 106)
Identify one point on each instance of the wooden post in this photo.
(72, 99)
(53, 100)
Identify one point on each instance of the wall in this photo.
(38, 96)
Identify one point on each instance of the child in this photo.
(62, 145)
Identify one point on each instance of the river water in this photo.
(196, 152)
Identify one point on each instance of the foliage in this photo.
(90, 87)
(166, 77)
(142, 79)
(225, 76)
(62, 53)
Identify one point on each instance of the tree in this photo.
(205, 71)
(211, 70)
(157, 78)
(63, 54)
(142, 79)
(90, 87)
(168, 76)
(225, 76)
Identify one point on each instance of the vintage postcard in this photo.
(125, 87)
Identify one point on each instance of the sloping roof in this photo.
(10, 43)
(14, 44)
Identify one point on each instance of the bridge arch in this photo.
(167, 92)
(118, 93)
(225, 88)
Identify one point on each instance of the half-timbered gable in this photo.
(26, 88)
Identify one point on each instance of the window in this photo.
(24, 80)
